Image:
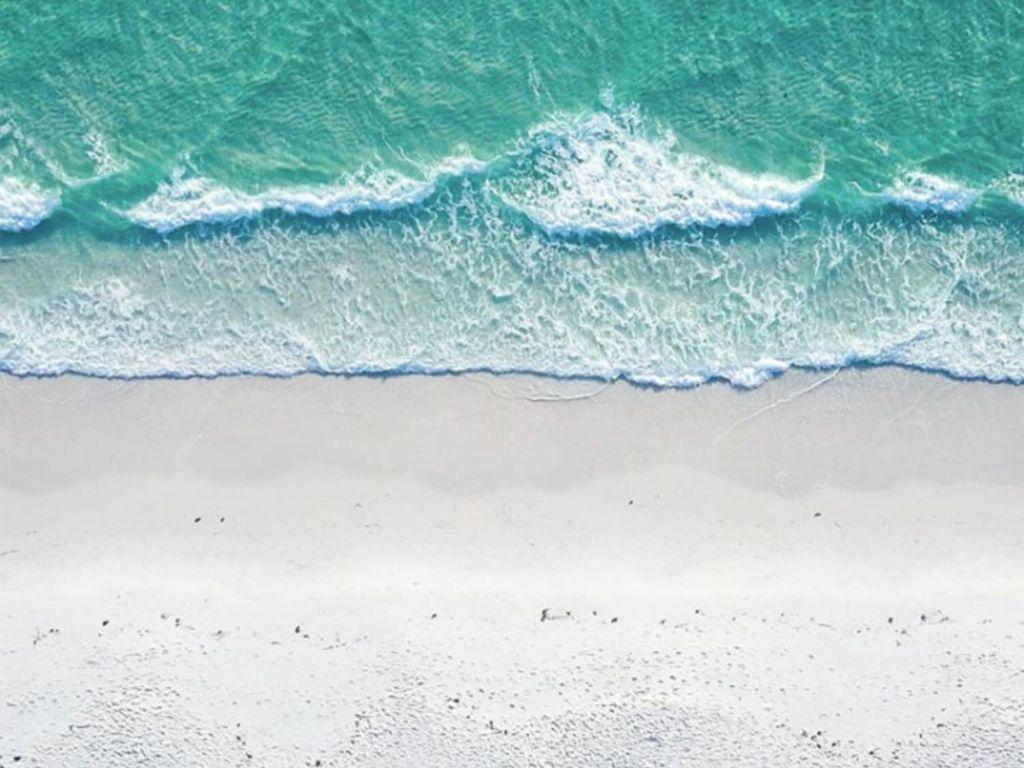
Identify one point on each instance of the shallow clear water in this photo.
(664, 191)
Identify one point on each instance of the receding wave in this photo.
(477, 291)
(23, 205)
(183, 200)
(920, 192)
(606, 173)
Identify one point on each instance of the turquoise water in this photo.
(663, 191)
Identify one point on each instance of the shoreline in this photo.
(772, 373)
(356, 570)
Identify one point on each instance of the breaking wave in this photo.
(1012, 186)
(601, 173)
(24, 206)
(920, 192)
(604, 174)
(183, 201)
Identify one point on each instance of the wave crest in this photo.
(1012, 186)
(24, 206)
(601, 173)
(604, 174)
(921, 192)
(183, 201)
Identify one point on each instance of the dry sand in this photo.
(828, 570)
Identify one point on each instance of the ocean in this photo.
(665, 191)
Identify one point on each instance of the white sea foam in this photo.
(107, 164)
(23, 205)
(601, 173)
(1012, 185)
(920, 192)
(606, 174)
(189, 200)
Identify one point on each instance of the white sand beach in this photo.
(509, 571)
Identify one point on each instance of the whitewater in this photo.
(595, 246)
(603, 173)
(668, 193)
